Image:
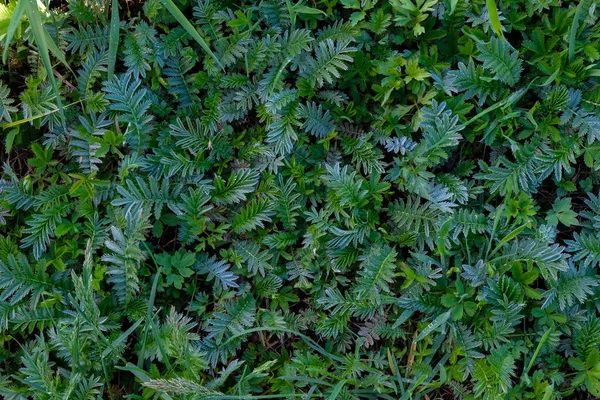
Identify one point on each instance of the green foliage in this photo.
(235, 189)
(351, 199)
(499, 60)
(150, 198)
(123, 258)
(176, 267)
(377, 272)
(6, 107)
(493, 375)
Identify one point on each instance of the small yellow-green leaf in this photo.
(5, 16)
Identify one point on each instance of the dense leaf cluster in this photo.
(341, 199)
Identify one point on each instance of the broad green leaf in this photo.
(562, 212)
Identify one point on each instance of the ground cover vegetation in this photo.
(336, 199)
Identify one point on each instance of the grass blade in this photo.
(121, 338)
(149, 317)
(187, 25)
(573, 32)
(395, 370)
(141, 375)
(21, 8)
(113, 41)
(291, 11)
(436, 323)
(538, 348)
(494, 18)
(508, 238)
(55, 50)
(34, 117)
(15, 20)
(40, 37)
(337, 389)
(314, 345)
(548, 392)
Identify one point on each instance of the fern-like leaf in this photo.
(493, 374)
(218, 270)
(586, 248)
(281, 132)
(572, 287)
(586, 123)
(19, 280)
(41, 228)
(257, 261)
(377, 272)
(549, 258)
(240, 314)
(181, 83)
(150, 197)
(131, 100)
(124, 258)
(501, 60)
(317, 121)
(330, 58)
(253, 216)
(6, 106)
(238, 185)
(474, 82)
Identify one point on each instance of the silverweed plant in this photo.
(300, 199)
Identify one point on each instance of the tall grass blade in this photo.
(40, 37)
(573, 32)
(187, 25)
(337, 389)
(21, 8)
(55, 50)
(538, 348)
(15, 20)
(121, 338)
(494, 17)
(38, 116)
(149, 318)
(113, 41)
